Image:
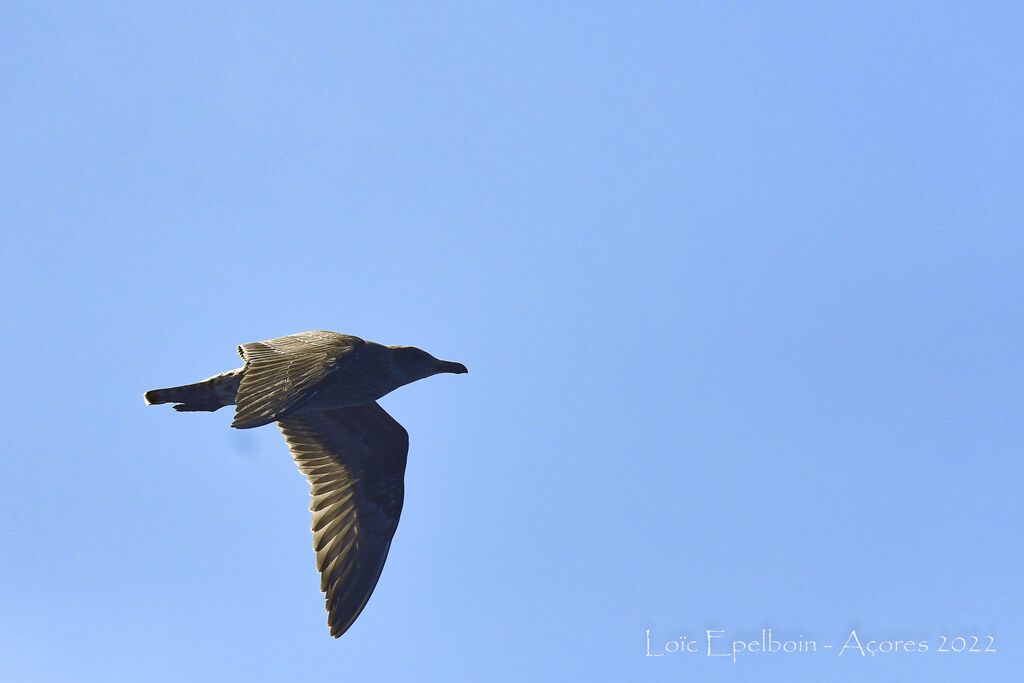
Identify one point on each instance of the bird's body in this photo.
(321, 388)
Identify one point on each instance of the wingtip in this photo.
(244, 421)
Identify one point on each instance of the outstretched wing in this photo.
(354, 459)
(281, 373)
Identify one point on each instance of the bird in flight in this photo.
(321, 388)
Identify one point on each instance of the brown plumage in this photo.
(321, 388)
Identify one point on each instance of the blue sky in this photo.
(739, 288)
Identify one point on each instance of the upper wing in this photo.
(354, 459)
(280, 373)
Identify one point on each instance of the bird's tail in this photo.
(209, 395)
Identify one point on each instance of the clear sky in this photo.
(738, 285)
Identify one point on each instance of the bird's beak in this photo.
(457, 368)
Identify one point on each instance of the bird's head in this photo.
(416, 363)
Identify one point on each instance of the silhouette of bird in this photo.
(322, 389)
